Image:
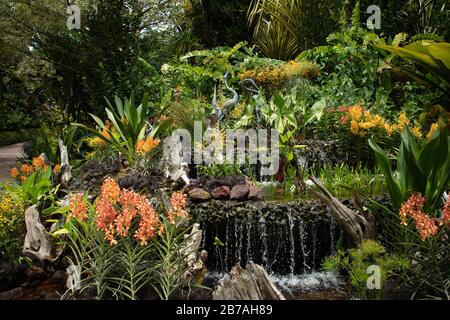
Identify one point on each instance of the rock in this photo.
(14, 294)
(255, 193)
(221, 193)
(240, 192)
(59, 276)
(7, 271)
(34, 273)
(198, 194)
(139, 182)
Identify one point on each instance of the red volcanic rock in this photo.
(255, 193)
(221, 193)
(240, 192)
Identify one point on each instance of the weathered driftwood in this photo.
(357, 227)
(66, 169)
(195, 259)
(251, 283)
(38, 243)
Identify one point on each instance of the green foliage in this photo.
(37, 189)
(355, 263)
(421, 167)
(282, 29)
(172, 251)
(128, 125)
(341, 179)
(434, 57)
(219, 170)
(429, 274)
(12, 211)
(280, 113)
(195, 73)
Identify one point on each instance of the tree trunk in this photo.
(251, 283)
(66, 169)
(356, 227)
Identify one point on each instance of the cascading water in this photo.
(290, 246)
(289, 239)
(291, 250)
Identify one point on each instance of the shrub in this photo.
(12, 211)
(355, 263)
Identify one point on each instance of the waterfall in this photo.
(332, 232)
(249, 255)
(303, 239)
(292, 243)
(262, 227)
(227, 244)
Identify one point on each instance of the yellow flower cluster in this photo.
(363, 121)
(97, 142)
(147, 145)
(434, 127)
(9, 209)
(215, 139)
(274, 77)
(238, 111)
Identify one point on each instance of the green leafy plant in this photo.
(280, 113)
(428, 276)
(37, 189)
(128, 126)
(171, 251)
(434, 57)
(341, 178)
(421, 167)
(219, 170)
(356, 262)
(12, 211)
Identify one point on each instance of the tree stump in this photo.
(251, 283)
(38, 243)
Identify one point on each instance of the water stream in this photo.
(291, 246)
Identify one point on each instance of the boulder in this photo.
(255, 193)
(35, 273)
(221, 193)
(198, 194)
(240, 192)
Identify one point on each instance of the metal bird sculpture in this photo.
(230, 103)
(216, 114)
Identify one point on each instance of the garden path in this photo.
(8, 156)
